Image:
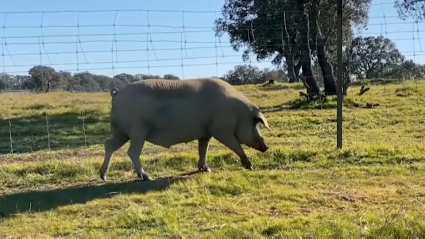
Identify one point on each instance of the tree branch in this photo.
(363, 90)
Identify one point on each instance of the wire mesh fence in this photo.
(93, 51)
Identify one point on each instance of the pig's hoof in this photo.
(248, 165)
(103, 176)
(144, 177)
(204, 169)
(147, 178)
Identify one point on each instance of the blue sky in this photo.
(24, 29)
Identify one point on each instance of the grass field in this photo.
(302, 187)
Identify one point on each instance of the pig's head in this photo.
(248, 130)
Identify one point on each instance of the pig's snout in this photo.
(263, 148)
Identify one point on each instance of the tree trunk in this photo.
(325, 65)
(290, 60)
(48, 87)
(369, 74)
(290, 56)
(297, 70)
(347, 69)
(305, 57)
(291, 69)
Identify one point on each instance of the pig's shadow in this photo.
(41, 201)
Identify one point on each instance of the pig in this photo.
(170, 112)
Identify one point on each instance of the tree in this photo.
(171, 77)
(45, 78)
(144, 76)
(122, 80)
(68, 81)
(411, 8)
(4, 81)
(406, 70)
(105, 82)
(260, 26)
(86, 81)
(244, 74)
(276, 75)
(303, 24)
(291, 30)
(373, 57)
(27, 83)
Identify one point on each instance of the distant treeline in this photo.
(45, 79)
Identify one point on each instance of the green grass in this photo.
(302, 187)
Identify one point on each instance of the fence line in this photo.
(111, 48)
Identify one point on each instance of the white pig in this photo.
(170, 112)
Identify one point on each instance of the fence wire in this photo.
(187, 50)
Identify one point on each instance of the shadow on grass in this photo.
(300, 104)
(330, 103)
(274, 108)
(54, 131)
(40, 201)
(303, 104)
(287, 86)
(378, 82)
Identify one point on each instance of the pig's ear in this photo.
(260, 118)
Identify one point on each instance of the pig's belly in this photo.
(176, 135)
(176, 122)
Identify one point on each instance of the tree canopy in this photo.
(411, 8)
(291, 31)
(373, 57)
